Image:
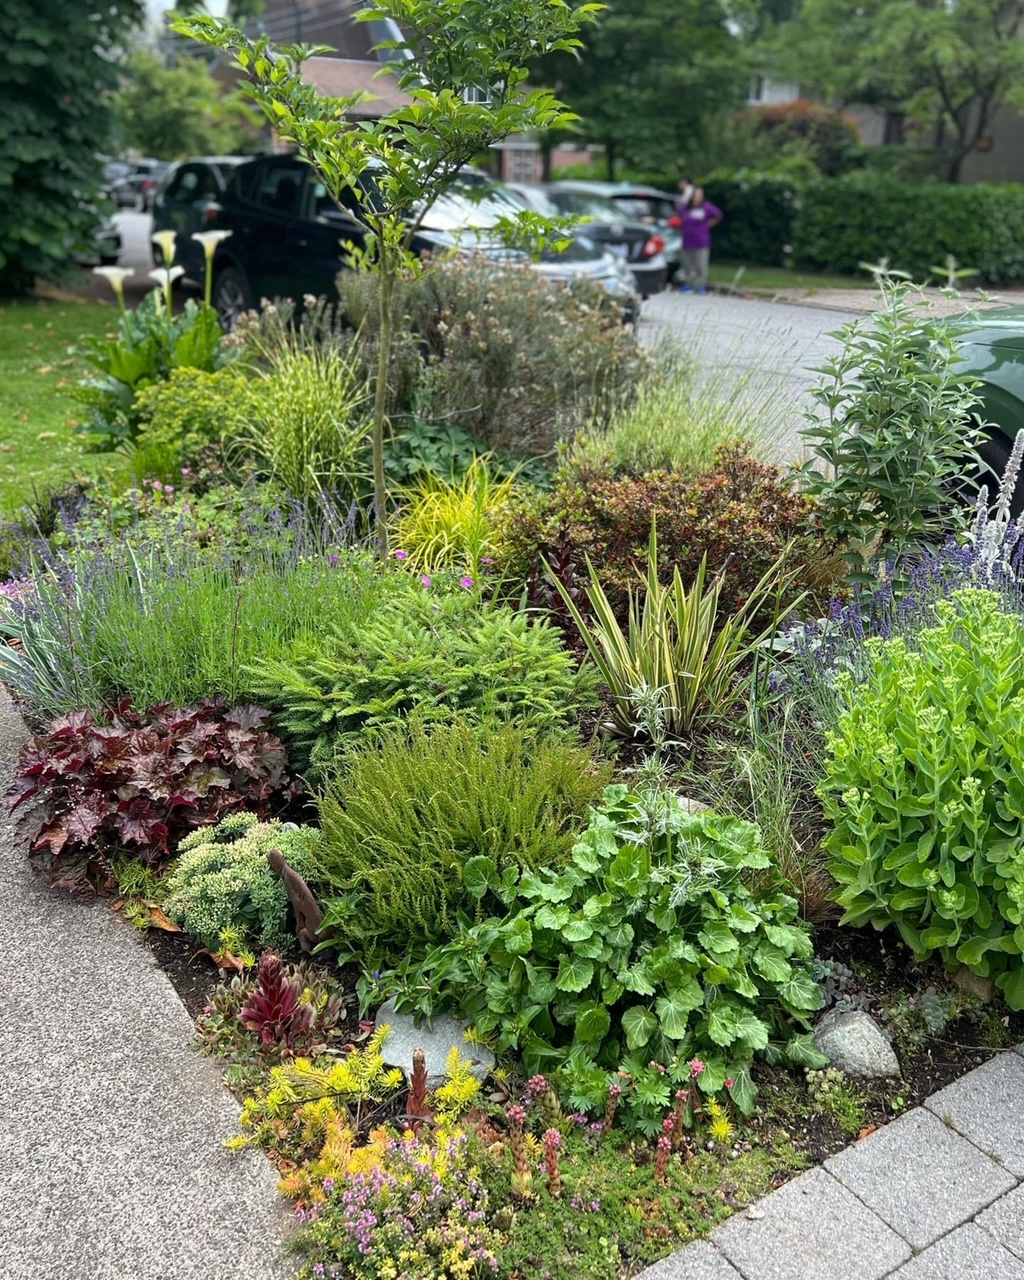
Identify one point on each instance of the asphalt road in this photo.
(762, 352)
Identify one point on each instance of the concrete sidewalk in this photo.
(936, 1195)
(111, 1125)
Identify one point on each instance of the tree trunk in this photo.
(609, 159)
(380, 404)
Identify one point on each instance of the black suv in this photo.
(287, 236)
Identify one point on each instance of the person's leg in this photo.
(702, 257)
(687, 269)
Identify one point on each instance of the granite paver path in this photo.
(111, 1125)
(936, 1195)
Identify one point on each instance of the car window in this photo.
(184, 185)
(645, 208)
(584, 203)
(277, 187)
(470, 203)
(320, 203)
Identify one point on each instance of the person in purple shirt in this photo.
(696, 218)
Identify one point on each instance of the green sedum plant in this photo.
(221, 881)
(648, 943)
(438, 654)
(414, 805)
(924, 787)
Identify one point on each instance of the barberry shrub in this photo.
(135, 782)
(741, 514)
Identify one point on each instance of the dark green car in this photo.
(992, 346)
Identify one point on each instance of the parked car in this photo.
(648, 205)
(132, 184)
(640, 246)
(188, 200)
(287, 233)
(992, 351)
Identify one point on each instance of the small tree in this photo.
(397, 166)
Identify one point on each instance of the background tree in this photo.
(651, 78)
(397, 165)
(57, 72)
(948, 67)
(174, 111)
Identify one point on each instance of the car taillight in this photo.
(210, 212)
(654, 245)
(675, 221)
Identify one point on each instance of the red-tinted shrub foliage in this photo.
(741, 513)
(139, 781)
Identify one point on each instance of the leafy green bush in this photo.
(221, 882)
(648, 945)
(759, 213)
(419, 651)
(192, 413)
(862, 217)
(507, 358)
(147, 347)
(923, 786)
(894, 431)
(414, 805)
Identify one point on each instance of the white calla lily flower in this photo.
(166, 275)
(210, 240)
(115, 276)
(165, 241)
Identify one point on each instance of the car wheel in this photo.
(110, 259)
(231, 297)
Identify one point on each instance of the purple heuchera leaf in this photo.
(139, 781)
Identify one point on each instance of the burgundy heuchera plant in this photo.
(138, 781)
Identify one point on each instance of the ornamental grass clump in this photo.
(923, 788)
(415, 807)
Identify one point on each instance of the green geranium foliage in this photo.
(925, 790)
(648, 947)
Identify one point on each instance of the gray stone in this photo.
(699, 1261)
(436, 1040)
(855, 1043)
(1004, 1221)
(985, 1106)
(812, 1229)
(112, 1163)
(920, 1177)
(965, 1254)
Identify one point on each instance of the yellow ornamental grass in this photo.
(453, 524)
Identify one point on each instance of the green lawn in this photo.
(37, 443)
(770, 279)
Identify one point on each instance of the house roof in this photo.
(340, 77)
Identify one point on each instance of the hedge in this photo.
(842, 222)
(759, 213)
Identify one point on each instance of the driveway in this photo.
(764, 352)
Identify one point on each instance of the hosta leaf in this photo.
(639, 1024)
(574, 974)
